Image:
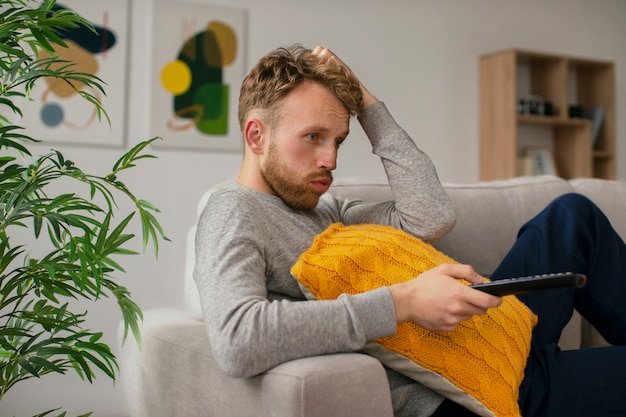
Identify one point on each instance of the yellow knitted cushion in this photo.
(479, 365)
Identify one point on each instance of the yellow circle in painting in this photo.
(226, 39)
(176, 77)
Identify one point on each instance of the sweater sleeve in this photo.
(421, 207)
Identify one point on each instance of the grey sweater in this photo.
(247, 242)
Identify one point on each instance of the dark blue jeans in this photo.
(570, 234)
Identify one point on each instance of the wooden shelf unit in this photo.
(562, 81)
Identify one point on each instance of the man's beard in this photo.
(297, 195)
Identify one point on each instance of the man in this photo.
(294, 111)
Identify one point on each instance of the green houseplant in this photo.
(40, 333)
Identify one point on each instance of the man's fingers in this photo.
(460, 271)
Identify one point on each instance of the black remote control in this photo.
(519, 285)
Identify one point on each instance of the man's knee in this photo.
(574, 202)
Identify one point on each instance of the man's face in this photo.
(302, 150)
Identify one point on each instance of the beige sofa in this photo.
(174, 374)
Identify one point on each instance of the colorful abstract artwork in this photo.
(56, 112)
(197, 67)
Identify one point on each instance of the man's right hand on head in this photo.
(368, 98)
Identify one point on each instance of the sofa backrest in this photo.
(610, 196)
(489, 215)
(191, 296)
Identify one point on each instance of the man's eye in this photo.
(312, 136)
(338, 143)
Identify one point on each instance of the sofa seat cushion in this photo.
(479, 365)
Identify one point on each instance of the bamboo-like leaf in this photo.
(37, 222)
(81, 366)
(6, 159)
(12, 331)
(25, 364)
(8, 255)
(41, 39)
(44, 414)
(116, 238)
(45, 364)
(126, 161)
(114, 265)
(106, 364)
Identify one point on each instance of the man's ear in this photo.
(254, 135)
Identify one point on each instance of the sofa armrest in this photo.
(174, 374)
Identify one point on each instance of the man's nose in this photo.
(327, 157)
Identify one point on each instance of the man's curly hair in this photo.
(283, 69)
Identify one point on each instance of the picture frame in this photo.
(541, 160)
(197, 68)
(57, 113)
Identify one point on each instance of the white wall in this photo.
(419, 56)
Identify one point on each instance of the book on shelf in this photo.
(596, 115)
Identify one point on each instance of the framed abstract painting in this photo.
(197, 68)
(57, 113)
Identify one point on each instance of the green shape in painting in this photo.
(213, 99)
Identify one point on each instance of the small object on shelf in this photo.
(597, 118)
(524, 166)
(576, 111)
(542, 160)
(595, 114)
(536, 105)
